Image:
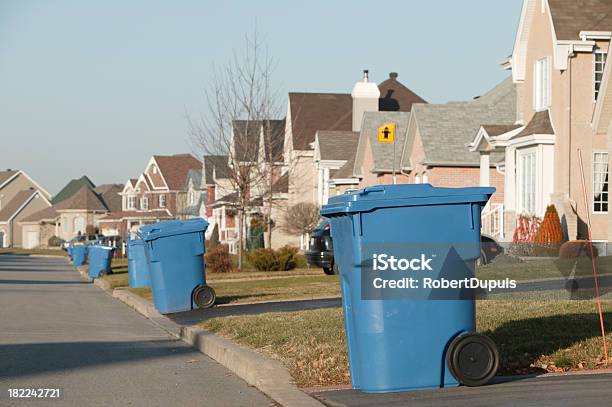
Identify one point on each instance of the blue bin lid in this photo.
(172, 228)
(135, 242)
(385, 196)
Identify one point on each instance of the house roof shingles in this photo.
(539, 124)
(84, 199)
(395, 97)
(109, 193)
(572, 16)
(49, 213)
(381, 152)
(217, 165)
(174, 168)
(246, 139)
(282, 184)
(14, 204)
(318, 111)
(274, 139)
(446, 129)
(337, 145)
(72, 188)
(494, 130)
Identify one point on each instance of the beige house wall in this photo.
(15, 227)
(67, 218)
(45, 232)
(571, 110)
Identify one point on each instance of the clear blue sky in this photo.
(97, 87)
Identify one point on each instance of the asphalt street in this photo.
(58, 331)
(557, 391)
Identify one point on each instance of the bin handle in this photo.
(369, 190)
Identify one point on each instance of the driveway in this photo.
(58, 331)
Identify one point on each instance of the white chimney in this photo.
(365, 99)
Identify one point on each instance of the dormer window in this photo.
(131, 202)
(144, 203)
(541, 82)
(600, 63)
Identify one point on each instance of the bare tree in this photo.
(302, 218)
(238, 100)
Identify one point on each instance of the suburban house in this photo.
(257, 148)
(155, 195)
(191, 201)
(559, 70)
(20, 196)
(332, 150)
(77, 208)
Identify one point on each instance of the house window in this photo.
(191, 198)
(600, 62)
(528, 183)
(542, 84)
(131, 202)
(162, 201)
(600, 182)
(144, 203)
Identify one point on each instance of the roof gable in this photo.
(174, 168)
(71, 188)
(14, 206)
(215, 166)
(395, 97)
(447, 129)
(539, 124)
(382, 153)
(84, 199)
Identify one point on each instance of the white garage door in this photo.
(32, 240)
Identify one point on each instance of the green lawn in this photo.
(544, 269)
(120, 277)
(29, 252)
(277, 289)
(533, 336)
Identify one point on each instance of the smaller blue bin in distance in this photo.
(79, 255)
(176, 263)
(100, 258)
(400, 344)
(138, 265)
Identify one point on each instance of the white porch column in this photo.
(510, 180)
(484, 169)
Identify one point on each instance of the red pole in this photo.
(588, 216)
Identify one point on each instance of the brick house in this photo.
(558, 67)
(153, 196)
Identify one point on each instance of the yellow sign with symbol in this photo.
(386, 133)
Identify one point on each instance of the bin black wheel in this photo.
(473, 359)
(204, 296)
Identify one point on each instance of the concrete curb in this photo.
(268, 375)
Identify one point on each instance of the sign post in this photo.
(386, 134)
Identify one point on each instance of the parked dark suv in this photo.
(321, 251)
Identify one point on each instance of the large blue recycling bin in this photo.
(79, 255)
(400, 344)
(100, 258)
(175, 250)
(138, 265)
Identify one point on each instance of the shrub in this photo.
(524, 236)
(218, 259)
(263, 260)
(283, 259)
(550, 234)
(577, 248)
(55, 241)
(287, 257)
(214, 238)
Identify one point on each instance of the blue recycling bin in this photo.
(138, 266)
(79, 255)
(100, 258)
(398, 337)
(69, 251)
(175, 250)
